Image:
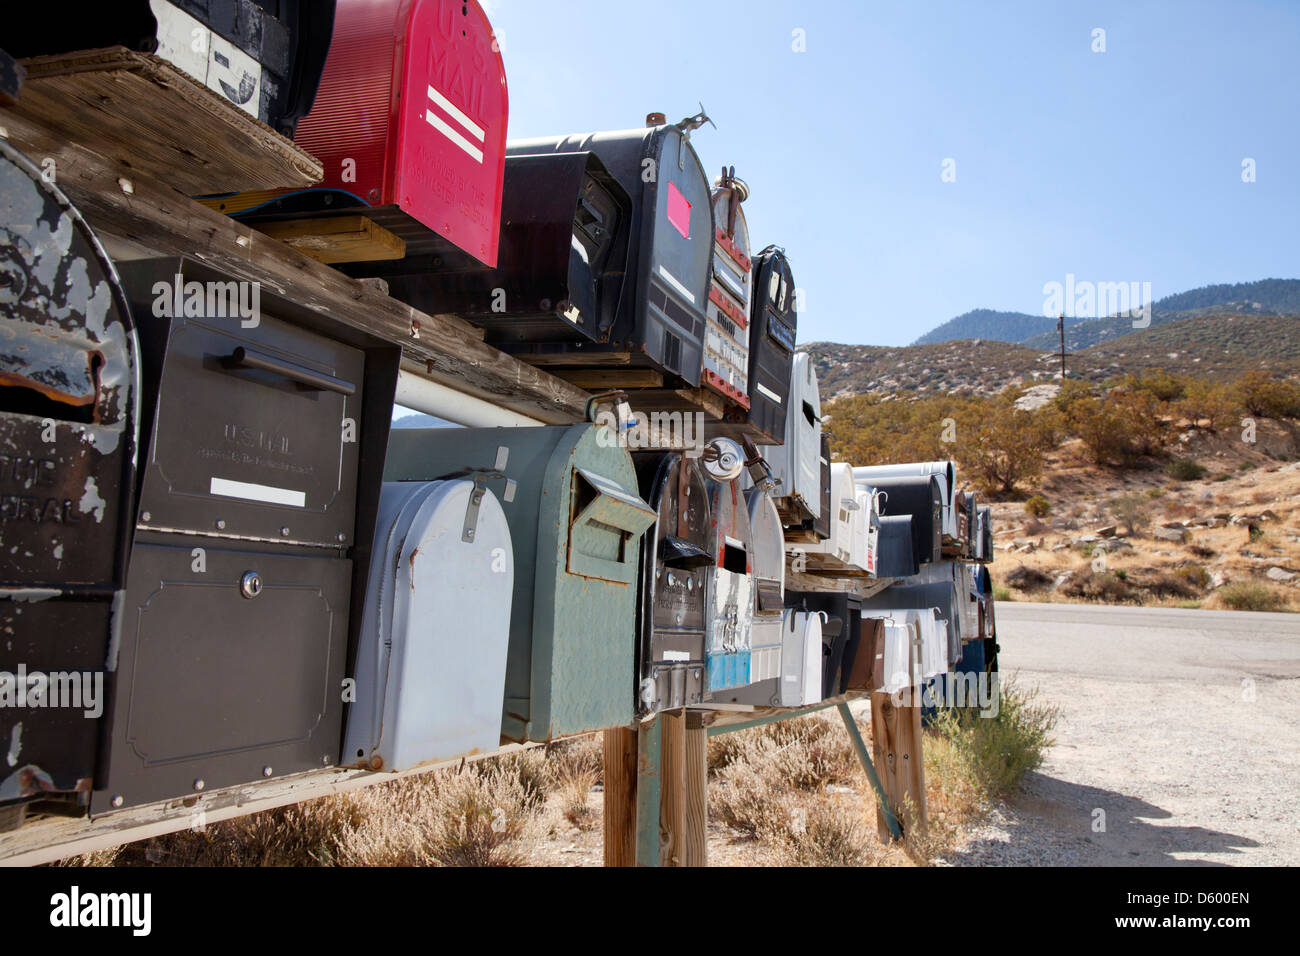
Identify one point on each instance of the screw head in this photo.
(285, 531)
(266, 771)
(221, 524)
(117, 800)
(325, 759)
(342, 537)
(469, 532)
(199, 784)
(145, 516)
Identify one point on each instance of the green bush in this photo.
(1250, 596)
(1001, 749)
(1185, 470)
(1038, 507)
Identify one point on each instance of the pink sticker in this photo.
(679, 210)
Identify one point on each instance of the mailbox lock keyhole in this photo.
(250, 585)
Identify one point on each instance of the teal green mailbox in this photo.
(575, 526)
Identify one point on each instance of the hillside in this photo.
(1218, 345)
(988, 324)
(1265, 297)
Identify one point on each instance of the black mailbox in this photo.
(771, 342)
(560, 261)
(898, 556)
(267, 425)
(660, 315)
(676, 563)
(68, 419)
(920, 497)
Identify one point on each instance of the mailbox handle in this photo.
(250, 358)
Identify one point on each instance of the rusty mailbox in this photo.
(730, 613)
(575, 527)
(70, 393)
(676, 561)
(259, 481)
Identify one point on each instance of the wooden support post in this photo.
(649, 737)
(672, 788)
(695, 836)
(883, 809)
(620, 796)
(896, 735)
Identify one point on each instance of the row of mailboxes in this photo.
(263, 432)
(69, 414)
(264, 56)
(409, 123)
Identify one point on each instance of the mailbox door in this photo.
(799, 465)
(430, 678)
(69, 395)
(230, 670)
(255, 431)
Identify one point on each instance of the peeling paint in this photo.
(15, 744)
(90, 501)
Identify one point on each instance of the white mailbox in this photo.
(801, 658)
(797, 463)
(431, 655)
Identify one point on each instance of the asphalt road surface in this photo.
(1182, 727)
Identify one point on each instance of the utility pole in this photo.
(1060, 327)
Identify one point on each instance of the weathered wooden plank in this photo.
(897, 738)
(695, 822)
(596, 379)
(159, 123)
(672, 788)
(150, 215)
(336, 238)
(620, 797)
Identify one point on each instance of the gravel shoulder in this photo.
(1182, 727)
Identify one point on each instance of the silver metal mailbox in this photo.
(797, 463)
(677, 558)
(431, 661)
(731, 588)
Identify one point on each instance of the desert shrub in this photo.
(1131, 510)
(1002, 594)
(1025, 578)
(1154, 493)
(823, 833)
(575, 767)
(1246, 466)
(1265, 397)
(1195, 575)
(1185, 470)
(1038, 507)
(1162, 585)
(1251, 596)
(1001, 749)
(1102, 586)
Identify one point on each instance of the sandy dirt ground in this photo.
(1178, 743)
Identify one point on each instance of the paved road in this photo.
(1183, 726)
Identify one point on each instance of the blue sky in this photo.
(1122, 166)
